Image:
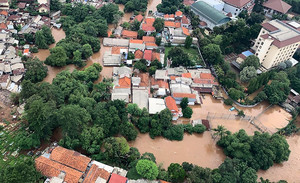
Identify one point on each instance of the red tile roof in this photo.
(13, 17)
(173, 77)
(265, 36)
(51, 168)
(139, 17)
(5, 13)
(188, 2)
(70, 158)
(3, 26)
(171, 104)
(147, 27)
(185, 20)
(160, 83)
(177, 24)
(206, 76)
(178, 13)
(138, 54)
(186, 75)
(129, 34)
(204, 81)
(109, 33)
(148, 55)
(169, 24)
(115, 178)
(151, 44)
(167, 16)
(237, 3)
(269, 27)
(185, 31)
(182, 95)
(149, 39)
(202, 23)
(277, 5)
(155, 56)
(94, 173)
(124, 82)
(21, 5)
(144, 79)
(149, 21)
(115, 50)
(281, 44)
(137, 41)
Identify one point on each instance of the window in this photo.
(236, 9)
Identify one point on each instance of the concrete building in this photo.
(235, 7)
(275, 7)
(211, 16)
(276, 43)
(156, 105)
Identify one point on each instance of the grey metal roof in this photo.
(205, 10)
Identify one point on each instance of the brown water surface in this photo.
(197, 149)
(58, 35)
(152, 5)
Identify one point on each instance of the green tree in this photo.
(115, 149)
(220, 131)
(58, 57)
(159, 24)
(176, 172)
(184, 102)
(35, 70)
(277, 92)
(158, 41)
(48, 35)
(128, 130)
(135, 25)
(199, 174)
(235, 94)
(174, 132)
(251, 60)
(91, 138)
(199, 128)
(39, 115)
(179, 58)
(55, 5)
(87, 51)
(23, 170)
(152, 70)
(147, 169)
(212, 53)
(40, 40)
(248, 73)
(187, 112)
(77, 59)
(141, 33)
(141, 65)
(188, 42)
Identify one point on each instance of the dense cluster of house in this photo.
(165, 89)
(11, 66)
(61, 165)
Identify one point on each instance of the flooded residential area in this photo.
(198, 148)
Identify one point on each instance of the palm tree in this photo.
(220, 131)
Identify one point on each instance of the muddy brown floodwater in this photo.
(197, 149)
(58, 35)
(202, 150)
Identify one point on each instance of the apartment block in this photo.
(276, 42)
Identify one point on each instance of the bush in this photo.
(34, 49)
(175, 132)
(228, 101)
(187, 112)
(199, 128)
(188, 128)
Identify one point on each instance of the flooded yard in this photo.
(197, 149)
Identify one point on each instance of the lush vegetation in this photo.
(258, 152)
(43, 38)
(133, 5)
(182, 56)
(169, 6)
(83, 24)
(35, 70)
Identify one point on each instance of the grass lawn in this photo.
(192, 53)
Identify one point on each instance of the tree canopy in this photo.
(147, 169)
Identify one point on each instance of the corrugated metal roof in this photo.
(210, 13)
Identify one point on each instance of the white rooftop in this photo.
(156, 105)
(285, 32)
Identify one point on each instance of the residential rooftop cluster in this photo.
(164, 90)
(61, 165)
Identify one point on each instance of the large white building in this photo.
(235, 7)
(277, 42)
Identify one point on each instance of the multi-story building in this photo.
(277, 42)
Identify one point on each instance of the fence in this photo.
(212, 115)
(262, 128)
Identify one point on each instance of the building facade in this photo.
(277, 42)
(235, 7)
